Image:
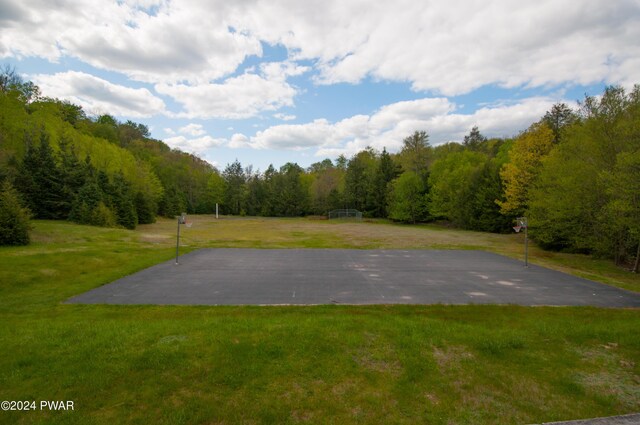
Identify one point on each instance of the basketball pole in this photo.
(526, 245)
(181, 220)
(178, 242)
(523, 222)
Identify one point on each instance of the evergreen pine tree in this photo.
(87, 199)
(14, 218)
(40, 181)
(474, 140)
(172, 203)
(25, 181)
(145, 208)
(387, 171)
(122, 202)
(73, 173)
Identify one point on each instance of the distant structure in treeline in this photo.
(345, 213)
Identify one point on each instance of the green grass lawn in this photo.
(323, 364)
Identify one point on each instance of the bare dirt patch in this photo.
(451, 357)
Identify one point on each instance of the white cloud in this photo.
(456, 46)
(294, 137)
(192, 129)
(148, 41)
(450, 47)
(388, 126)
(186, 140)
(239, 141)
(284, 117)
(282, 70)
(96, 95)
(198, 146)
(384, 128)
(239, 97)
(390, 115)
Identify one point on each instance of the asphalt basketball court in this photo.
(343, 276)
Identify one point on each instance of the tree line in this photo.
(574, 173)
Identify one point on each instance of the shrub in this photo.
(14, 218)
(103, 216)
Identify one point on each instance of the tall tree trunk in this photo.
(637, 265)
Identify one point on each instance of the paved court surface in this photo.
(343, 276)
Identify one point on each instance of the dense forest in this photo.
(574, 173)
(92, 170)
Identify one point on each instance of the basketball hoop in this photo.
(188, 224)
(517, 228)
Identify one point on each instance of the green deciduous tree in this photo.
(407, 199)
(130, 131)
(449, 179)
(235, 183)
(519, 175)
(359, 181)
(623, 208)
(106, 127)
(416, 154)
(11, 81)
(326, 188)
(585, 197)
(341, 162)
(215, 190)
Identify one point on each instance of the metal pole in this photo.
(178, 240)
(526, 245)
(216, 210)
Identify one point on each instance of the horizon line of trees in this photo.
(574, 173)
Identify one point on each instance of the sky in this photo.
(275, 81)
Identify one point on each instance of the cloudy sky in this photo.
(275, 81)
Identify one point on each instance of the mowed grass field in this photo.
(320, 364)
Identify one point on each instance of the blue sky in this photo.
(278, 81)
